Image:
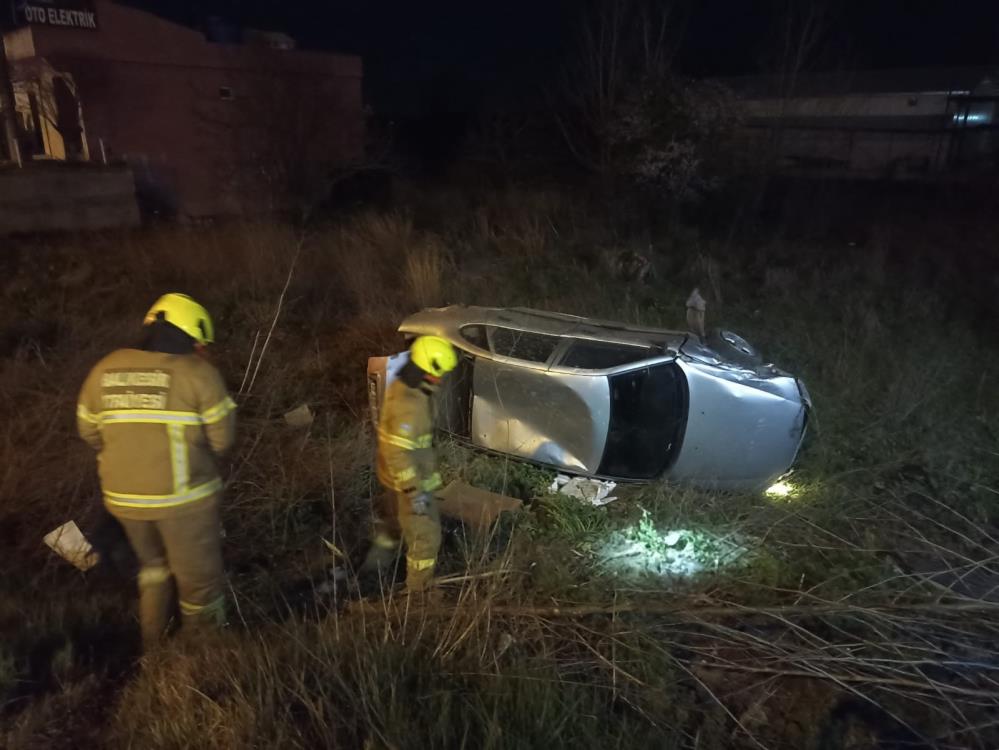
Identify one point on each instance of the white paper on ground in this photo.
(70, 543)
(593, 491)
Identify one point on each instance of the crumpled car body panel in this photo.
(742, 432)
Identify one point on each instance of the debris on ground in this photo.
(336, 575)
(299, 417)
(70, 544)
(696, 307)
(473, 506)
(644, 549)
(337, 552)
(596, 492)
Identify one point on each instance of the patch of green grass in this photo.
(493, 472)
(560, 516)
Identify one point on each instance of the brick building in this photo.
(207, 128)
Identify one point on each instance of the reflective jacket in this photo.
(157, 422)
(406, 459)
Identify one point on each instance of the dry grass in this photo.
(426, 269)
(867, 612)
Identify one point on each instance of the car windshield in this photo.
(648, 411)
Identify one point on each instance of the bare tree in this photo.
(799, 38)
(800, 28)
(618, 43)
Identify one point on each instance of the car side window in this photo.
(601, 355)
(532, 347)
(476, 336)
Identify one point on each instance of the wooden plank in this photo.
(475, 507)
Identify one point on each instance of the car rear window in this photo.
(531, 347)
(601, 355)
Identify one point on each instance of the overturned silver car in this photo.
(611, 400)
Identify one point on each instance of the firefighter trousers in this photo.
(180, 563)
(394, 519)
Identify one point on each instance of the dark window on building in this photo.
(476, 336)
(600, 355)
(38, 142)
(225, 93)
(532, 347)
(67, 118)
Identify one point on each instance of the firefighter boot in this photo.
(381, 557)
(200, 617)
(423, 541)
(419, 575)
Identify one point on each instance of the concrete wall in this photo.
(848, 153)
(60, 198)
(854, 105)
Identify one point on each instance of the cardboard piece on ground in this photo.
(70, 543)
(474, 506)
(300, 416)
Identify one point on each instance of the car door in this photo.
(521, 408)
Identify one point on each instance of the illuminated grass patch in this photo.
(644, 550)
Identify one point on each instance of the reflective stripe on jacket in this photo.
(157, 421)
(406, 458)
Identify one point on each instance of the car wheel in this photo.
(733, 348)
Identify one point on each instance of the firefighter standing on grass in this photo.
(407, 465)
(159, 416)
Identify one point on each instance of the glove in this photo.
(420, 503)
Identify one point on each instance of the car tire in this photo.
(731, 347)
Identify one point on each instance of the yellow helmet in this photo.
(183, 312)
(433, 355)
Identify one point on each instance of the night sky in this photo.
(446, 53)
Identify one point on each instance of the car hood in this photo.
(743, 428)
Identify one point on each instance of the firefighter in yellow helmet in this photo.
(159, 416)
(407, 465)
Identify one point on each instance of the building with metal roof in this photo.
(905, 123)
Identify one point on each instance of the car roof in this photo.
(448, 322)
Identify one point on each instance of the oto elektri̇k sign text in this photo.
(74, 14)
